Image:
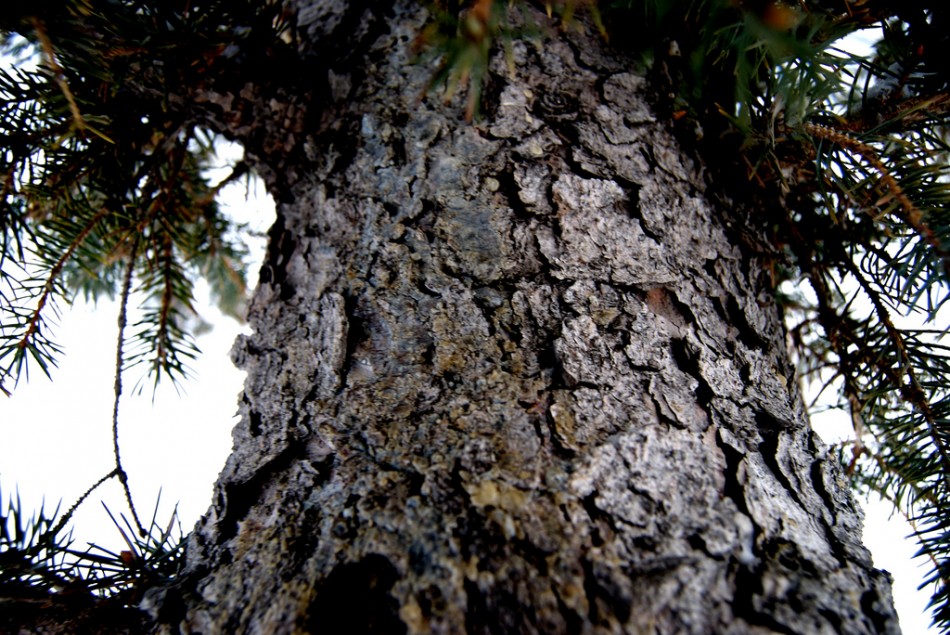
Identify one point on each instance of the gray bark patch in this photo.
(513, 377)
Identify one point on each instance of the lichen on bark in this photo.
(513, 376)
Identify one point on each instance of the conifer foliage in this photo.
(39, 563)
(101, 169)
(842, 176)
(105, 193)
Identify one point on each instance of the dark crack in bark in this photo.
(514, 377)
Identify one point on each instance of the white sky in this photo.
(56, 437)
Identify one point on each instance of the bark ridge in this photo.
(513, 377)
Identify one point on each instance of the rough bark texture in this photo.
(510, 377)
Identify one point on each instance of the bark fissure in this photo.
(514, 377)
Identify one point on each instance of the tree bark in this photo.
(511, 376)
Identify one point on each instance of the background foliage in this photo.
(842, 180)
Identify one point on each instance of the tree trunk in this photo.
(511, 376)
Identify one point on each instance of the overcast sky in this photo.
(56, 436)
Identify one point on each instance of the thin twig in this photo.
(240, 169)
(911, 214)
(59, 75)
(899, 114)
(919, 494)
(912, 391)
(123, 316)
(54, 273)
(79, 501)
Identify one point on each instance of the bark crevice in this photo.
(514, 377)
